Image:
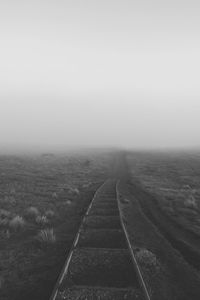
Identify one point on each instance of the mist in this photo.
(99, 74)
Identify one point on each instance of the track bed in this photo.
(100, 264)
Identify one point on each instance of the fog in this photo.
(99, 74)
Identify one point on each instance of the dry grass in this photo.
(17, 223)
(4, 217)
(5, 234)
(72, 190)
(191, 202)
(47, 236)
(4, 213)
(4, 222)
(147, 258)
(68, 202)
(49, 213)
(41, 220)
(32, 212)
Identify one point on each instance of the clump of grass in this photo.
(46, 236)
(191, 202)
(41, 220)
(76, 191)
(9, 199)
(17, 223)
(86, 184)
(4, 222)
(68, 202)
(5, 234)
(4, 217)
(32, 212)
(147, 258)
(49, 213)
(72, 190)
(55, 195)
(5, 213)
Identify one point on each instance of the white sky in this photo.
(122, 73)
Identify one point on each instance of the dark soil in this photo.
(184, 241)
(171, 278)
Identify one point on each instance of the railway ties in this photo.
(100, 265)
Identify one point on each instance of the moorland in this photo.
(42, 200)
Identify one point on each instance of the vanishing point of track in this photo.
(101, 264)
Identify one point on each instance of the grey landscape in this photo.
(99, 150)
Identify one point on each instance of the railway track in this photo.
(101, 263)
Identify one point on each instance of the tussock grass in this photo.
(5, 234)
(49, 213)
(68, 202)
(147, 258)
(4, 222)
(41, 220)
(32, 212)
(191, 202)
(9, 199)
(74, 191)
(54, 195)
(46, 236)
(17, 223)
(4, 213)
(4, 217)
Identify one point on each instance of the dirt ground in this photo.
(164, 261)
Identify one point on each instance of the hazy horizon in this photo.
(99, 74)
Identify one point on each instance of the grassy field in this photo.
(165, 218)
(42, 200)
(161, 205)
(174, 180)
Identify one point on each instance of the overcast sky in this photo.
(94, 73)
